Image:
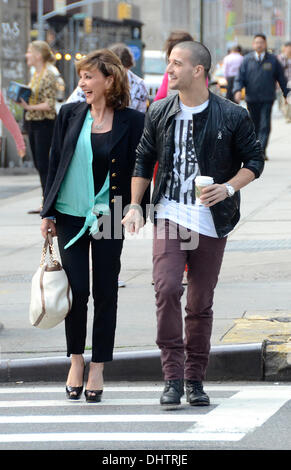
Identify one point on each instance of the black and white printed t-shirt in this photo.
(178, 202)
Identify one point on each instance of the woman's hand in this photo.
(24, 105)
(34, 107)
(48, 225)
(21, 153)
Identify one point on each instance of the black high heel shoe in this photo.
(93, 396)
(74, 393)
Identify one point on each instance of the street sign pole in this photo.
(201, 21)
(288, 22)
(40, 21)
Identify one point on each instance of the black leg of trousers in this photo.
(106, 267)
(40, 136)
(265, 127)
(75, 261)
(229, 92)
(105, 270)
(261, 117)
(255, 113)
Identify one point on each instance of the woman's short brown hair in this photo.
(118, 95)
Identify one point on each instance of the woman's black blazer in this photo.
(126, 132)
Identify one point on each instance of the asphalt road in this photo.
(242, 416)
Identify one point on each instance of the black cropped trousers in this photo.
(102, 256)
(40, 135)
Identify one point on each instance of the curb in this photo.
(231, 362)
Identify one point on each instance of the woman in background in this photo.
(40, 112)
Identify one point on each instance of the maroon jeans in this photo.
(189, 358)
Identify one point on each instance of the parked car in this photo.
(154, 66)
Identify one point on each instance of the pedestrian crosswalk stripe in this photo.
(244, 411)
(136, 418)
(229, 418)
(124, 436)
(142, 388)
(66, 402)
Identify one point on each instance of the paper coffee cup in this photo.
(200, 183)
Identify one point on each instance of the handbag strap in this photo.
(48, 244)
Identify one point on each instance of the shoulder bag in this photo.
(51, 294)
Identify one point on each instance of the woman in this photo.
(40, 112)
(92, 157)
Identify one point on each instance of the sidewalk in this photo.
(252, 319)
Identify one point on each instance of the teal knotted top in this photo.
(76, 195)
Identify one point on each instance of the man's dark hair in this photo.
(200, 55)
(287, 44)
(260, 35)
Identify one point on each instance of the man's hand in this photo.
(133, 221)
(48, 225)
(213, 194)
(237, 97)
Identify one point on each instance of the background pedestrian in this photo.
(231, 65)
(285, 60)
(40, 111)
(258, 74)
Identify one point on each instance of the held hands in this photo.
(213, 194)
(48, 225)
(133, 221)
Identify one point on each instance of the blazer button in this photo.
(114, 187)
(113, 175)
(113, 201)
(113, 160)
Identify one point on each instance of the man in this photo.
(191, 133)
(285, 60)
(231, 65)
(259, 73)
(138, 92)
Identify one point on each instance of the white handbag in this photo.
(51, 294)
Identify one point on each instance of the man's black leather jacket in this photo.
(224, 140)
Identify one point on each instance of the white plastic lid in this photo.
(203, 180)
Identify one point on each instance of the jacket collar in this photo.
(119, 125)
(175, 105)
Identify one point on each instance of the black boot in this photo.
(173, 391)
(195, 393)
